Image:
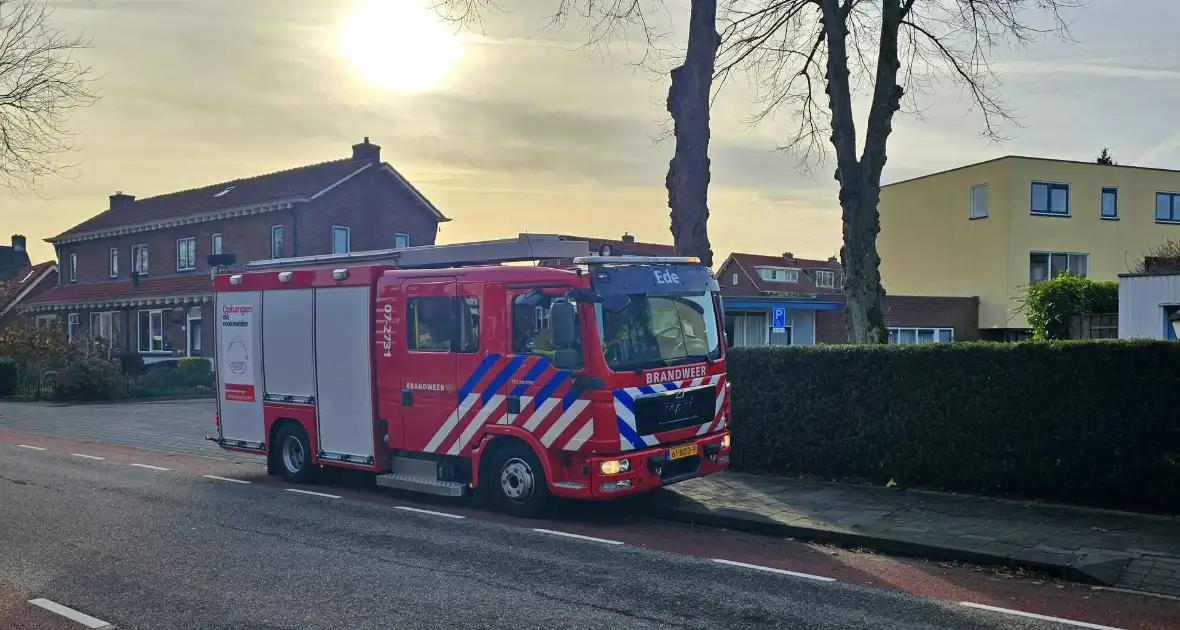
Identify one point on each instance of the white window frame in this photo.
(895, 334)
(113, 262)
(979, 206)
(192, 314)
(189, 262)
(734, 280)
(825, 273)
(73, 322)
(45, 321)
(1102, 201)
(105, 327)
(790, 274)
(215, 243)
(347, 239)
(1049, 199)
(139, 330)
(400, 236)
(139, 254)
(1050, 256)
(73, 266)
(277, 229)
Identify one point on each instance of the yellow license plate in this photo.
(680, 452)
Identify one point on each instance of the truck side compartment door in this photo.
(344, 374)
(239, 368)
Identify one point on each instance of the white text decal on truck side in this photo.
(675, 374)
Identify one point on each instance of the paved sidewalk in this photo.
(1094, 546)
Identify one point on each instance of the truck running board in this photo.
(401, 481)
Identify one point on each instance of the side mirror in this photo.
(565, 359)
(616, 302)
(562, 320)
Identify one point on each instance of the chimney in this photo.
(628, 239)
(366, 151)
(119, 200)
(832, 260)
(788, 255)
(18, 242)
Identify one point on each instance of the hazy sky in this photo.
(514, 129)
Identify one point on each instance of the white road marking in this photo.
(808, 576)
(150, 467)
(1068, 622)
(315, 494)
(71, 614)
(578, 536)
(430, 512)
(86, 456)
(224, 479)
(32, 448)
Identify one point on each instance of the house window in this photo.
(73, 267)
(1110, 202)
(436, 324)
(72, 323)
(340, 239)
(825, 278)
(1167, 207)
(734, 280)
(778, 274)
(215, 244)
(139, 259)
(904, 336)
(113, 263)
(979, 201)
(107, 326)
(401, 240)
(46, 321)
(276, 241)
(151, 332)
(1045, 265)
(186, 254)
(1049, 198)
(194, 328)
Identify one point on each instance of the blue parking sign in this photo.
(778, 317)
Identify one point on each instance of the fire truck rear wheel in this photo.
(294, 454)
(516, 481)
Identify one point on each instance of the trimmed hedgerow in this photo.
(1086, 422)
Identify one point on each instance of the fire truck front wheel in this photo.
(294, 454)
(516, 482)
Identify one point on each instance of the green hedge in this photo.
(1086, 422)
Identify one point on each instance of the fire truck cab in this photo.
(442, 369)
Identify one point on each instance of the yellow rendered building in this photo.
(987, 229)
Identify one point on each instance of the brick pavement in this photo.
(1108, 548)
(1095, 546)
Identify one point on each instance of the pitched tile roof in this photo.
(296, 183)
(750, 261)
(160, 287)
(26, 278)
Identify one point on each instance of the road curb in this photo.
(740, 521)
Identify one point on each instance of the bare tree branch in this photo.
(40, 83)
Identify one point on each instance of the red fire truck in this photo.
(444, 369)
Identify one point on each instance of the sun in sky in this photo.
(399, 45)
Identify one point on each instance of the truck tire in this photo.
(516, 482)
(293, 454)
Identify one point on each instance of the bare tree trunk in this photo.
(688, 103)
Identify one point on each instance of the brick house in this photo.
(807, 295)
(137, 273)
(21, 281)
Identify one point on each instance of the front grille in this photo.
(676, 409)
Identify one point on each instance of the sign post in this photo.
(778, 319)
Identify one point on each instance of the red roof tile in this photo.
(164, 286)
(295, 183)
(12, 289)
(750, 261)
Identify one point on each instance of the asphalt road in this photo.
(151, 549)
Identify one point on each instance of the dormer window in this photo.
(778, 274)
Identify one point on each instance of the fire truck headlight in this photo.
(725, 441)
(614, 466)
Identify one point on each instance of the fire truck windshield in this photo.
(660, 331)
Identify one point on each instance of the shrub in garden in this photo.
(88, 378)
(1048, 304)
(131, 364)
(9, 376)
(196, 371)
(1086, 422)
